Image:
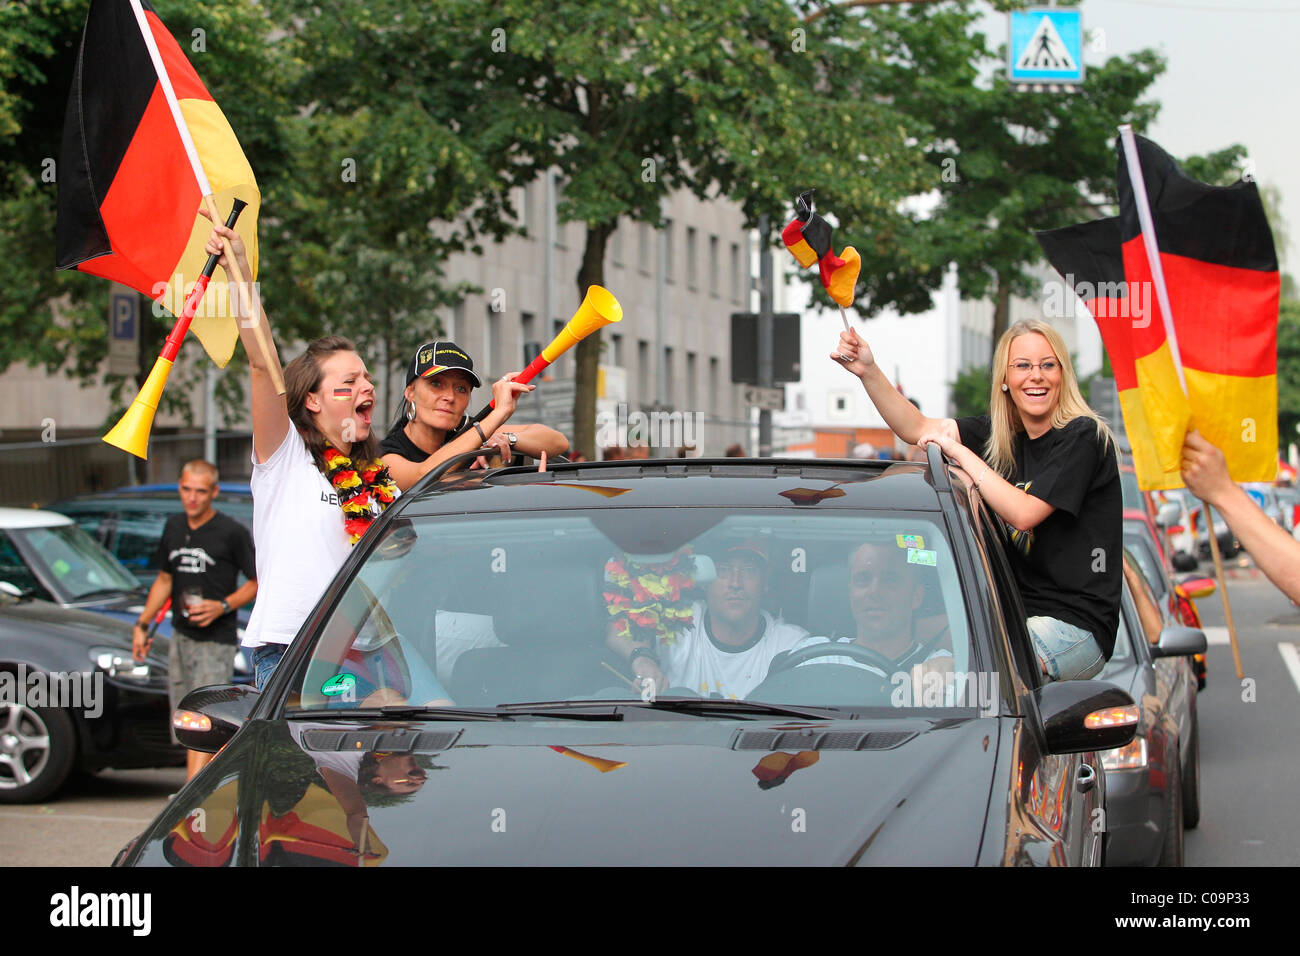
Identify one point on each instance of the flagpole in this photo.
(1150, 243)
(269, 356)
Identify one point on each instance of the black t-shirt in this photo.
(208, 558)
(1069, 566)
(397, 442)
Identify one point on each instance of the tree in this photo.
(970, 392)
(58, 320)
(627, 102)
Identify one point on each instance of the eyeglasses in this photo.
(747, 572)
(1048, 367)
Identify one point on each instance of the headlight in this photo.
(118, 663)
(1132, 756)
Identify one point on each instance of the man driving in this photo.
(731, 641)
(885, 592)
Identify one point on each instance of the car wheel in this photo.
(38, 747)
(1171, 852)
(1192, 780)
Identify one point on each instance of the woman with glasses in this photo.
(1047, 465)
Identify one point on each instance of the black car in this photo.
(71, 698)
(1153, 782)
(501, 584)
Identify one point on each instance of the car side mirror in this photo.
(1178, 641)
(1168, 514)
(1082, 715)
(209, 716)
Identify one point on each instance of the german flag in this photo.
(808, 237)
(132, 173)
(1090, 257)
(1220, 271)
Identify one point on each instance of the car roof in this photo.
(31, 518)
(826, 484)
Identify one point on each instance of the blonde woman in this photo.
(1047, 465)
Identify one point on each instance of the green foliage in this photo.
(970, 392)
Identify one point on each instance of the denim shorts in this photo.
(265, 659)
(1070, 652)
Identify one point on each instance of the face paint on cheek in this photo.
(343, 394)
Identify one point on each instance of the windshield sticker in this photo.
(919, 556)
(910, 541)
(338, 684)
(60, 568)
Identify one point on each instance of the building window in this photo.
(692, 393)
(528, 329)
(561, 364)
(616, 246)
(457, 321)
(713, 265)
(668, 249)
(645, 252)
(668, 376)
(492, 345)
(643, 372)
(735, 272)
(616, 349)
(692, 258)
(713, 385)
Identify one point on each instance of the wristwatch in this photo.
(225, 606)
(512, 438)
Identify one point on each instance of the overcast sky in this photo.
(1232, 76)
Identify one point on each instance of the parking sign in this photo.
(123, 330)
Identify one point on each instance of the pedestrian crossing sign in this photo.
(1046, 46)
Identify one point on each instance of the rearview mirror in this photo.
(1198, 586)
(1177, 641)
(1082, 715)
(209, 716)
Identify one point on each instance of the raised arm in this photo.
(904, 418)
(505, 394)
(1274, 551)
(270, 410)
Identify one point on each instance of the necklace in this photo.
(363, 494)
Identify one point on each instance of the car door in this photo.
(1065, 790)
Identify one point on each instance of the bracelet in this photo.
(482, 437)
(981, 477)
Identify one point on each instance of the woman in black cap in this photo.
(432, 425)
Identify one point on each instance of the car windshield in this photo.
(824, 610)
(75, 565)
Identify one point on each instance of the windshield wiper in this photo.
(396, 711)
(686, 705)
(103, 592)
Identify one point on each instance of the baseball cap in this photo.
(744, 549)
(438, 356)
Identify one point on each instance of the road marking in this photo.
(1216, 635)
(77, 816)
(1291, 657)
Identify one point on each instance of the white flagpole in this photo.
(1152, 248)
(165, 81)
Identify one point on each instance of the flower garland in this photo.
(646, 600)
(363, 495)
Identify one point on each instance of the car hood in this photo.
(73, 622)
(681, 791)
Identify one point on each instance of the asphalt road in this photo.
(91, 819)
(1250, 749)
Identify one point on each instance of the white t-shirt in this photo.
(299, 537)
(695, 661)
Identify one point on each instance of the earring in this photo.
(410, 410)
(1004, 387)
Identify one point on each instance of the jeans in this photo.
(1069, 652)
(265, 660)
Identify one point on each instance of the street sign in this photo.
(123, 330)
(1046, 49)
(744, 347)
(772, 399)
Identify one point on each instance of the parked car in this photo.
(1153, 782)
(1289, 500)
(496, 582)
(1174, 595)
(96, 707)
(129, 521)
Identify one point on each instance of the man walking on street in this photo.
(199, 557)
